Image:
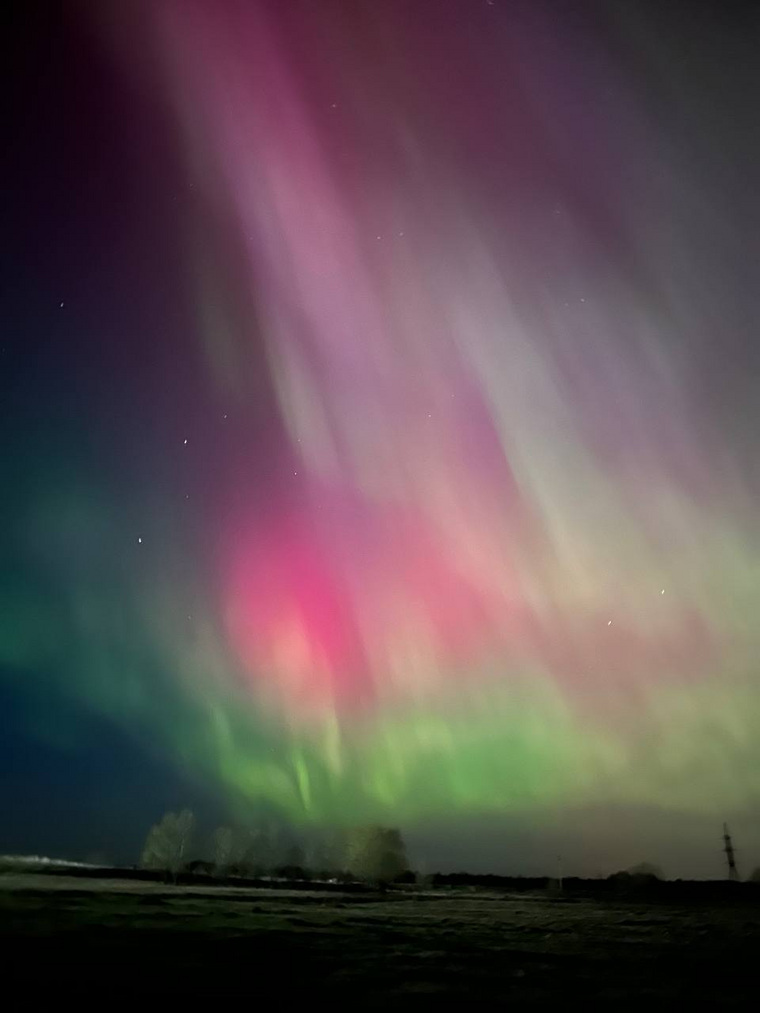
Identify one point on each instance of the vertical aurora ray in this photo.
(474, 544)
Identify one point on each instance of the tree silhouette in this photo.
(224, 850)
(242, 851)
(167, 844)
(375, 854)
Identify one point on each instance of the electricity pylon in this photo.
(728, 847)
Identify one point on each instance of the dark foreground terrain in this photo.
(102, 941)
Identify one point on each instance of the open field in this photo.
(105, 940)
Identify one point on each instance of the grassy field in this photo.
(105, 940)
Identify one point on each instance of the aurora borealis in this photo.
(381, 442)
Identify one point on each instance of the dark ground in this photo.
(101, 941)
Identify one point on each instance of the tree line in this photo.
(373, 854)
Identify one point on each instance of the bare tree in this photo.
(325, 853)
(243, 851)
(167, 844)
(375, 854)
(422, 877)
(224, 850)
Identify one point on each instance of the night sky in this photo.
(379, 426)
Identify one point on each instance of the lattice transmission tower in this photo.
(728, 848)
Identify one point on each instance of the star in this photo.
(609, 622)
(139, 540)
(61, 305)
(184, 441)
